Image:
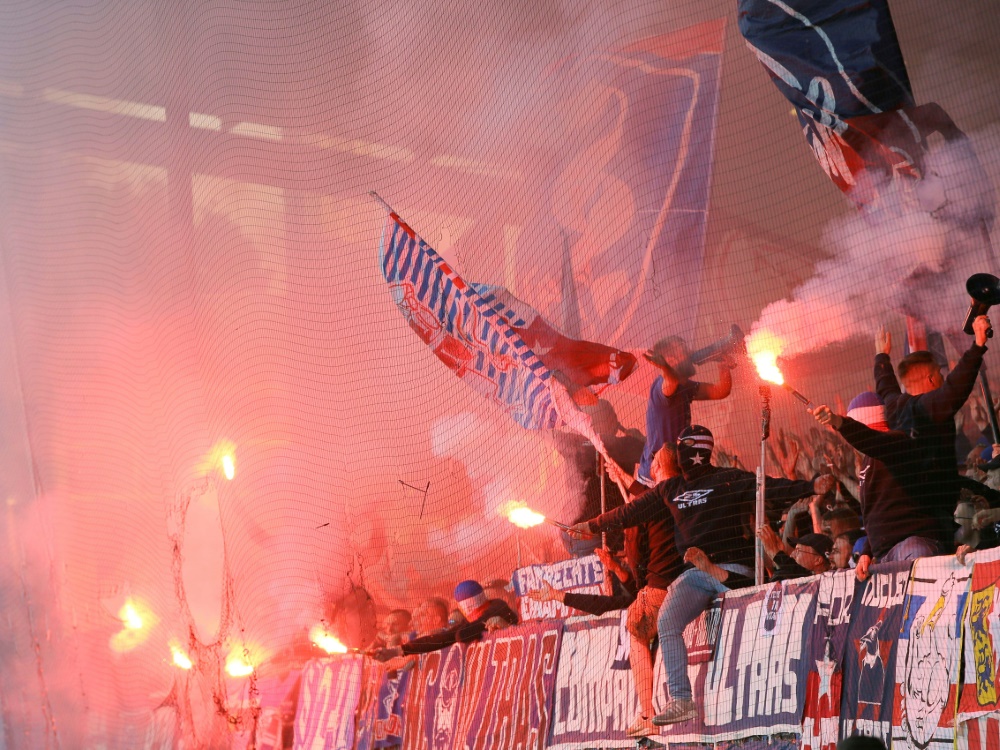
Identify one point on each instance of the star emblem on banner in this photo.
(825, 671)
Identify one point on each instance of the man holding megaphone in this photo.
(668, 411)
(927, 410)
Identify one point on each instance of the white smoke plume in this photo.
(909, 253)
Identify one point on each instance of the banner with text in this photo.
(755, 684)
(594, 702)
(827, 642)
(328, 703)
(580, 575)
(510, 678)
(432, 704)
(870, 656)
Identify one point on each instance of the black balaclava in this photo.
(694, 450)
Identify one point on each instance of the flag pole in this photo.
(759, 514)
(378, 199)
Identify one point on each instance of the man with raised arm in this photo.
(709, 507)
(668, 410)
(899, 506)
(927, 410)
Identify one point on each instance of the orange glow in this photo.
(237, 666)
(137, 621)
(327, 642)
(130, 616)
(767, 367)
(179, 658)
(525, 518)
(228, 466)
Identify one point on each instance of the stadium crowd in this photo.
(894, 478)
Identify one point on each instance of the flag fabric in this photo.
(578, 364)
(839, 63)
(627, 196)
(471, 335)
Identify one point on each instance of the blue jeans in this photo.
(911, 548)
(688, 596)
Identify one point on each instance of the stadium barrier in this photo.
(910, 655)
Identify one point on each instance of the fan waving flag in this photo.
(472, 335)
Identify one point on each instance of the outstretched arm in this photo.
(718, 390)
(942, 404)
(647, 507)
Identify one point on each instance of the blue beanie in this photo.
(470, 596)
(867, 408)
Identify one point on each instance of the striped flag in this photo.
(471, 335)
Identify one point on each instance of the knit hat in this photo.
(469, 596)
(867, 408)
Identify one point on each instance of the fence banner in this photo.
(827, 641)
(391, 710)
(755, 684)
(510, 678)
(432, 705)
(580, 575)
(980, 694)
(594, 702)
(376, 681)
(328, 703)
(870, 656)
(929, 655)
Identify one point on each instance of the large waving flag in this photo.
(471, 329)
(839, 63)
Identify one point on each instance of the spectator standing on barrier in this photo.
(709, 506)
(652, 555)
(668, 410)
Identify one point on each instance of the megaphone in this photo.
(984, 288)
(732, 342)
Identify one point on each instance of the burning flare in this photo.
(329, 643)
(130, 617)
(237, 666)
(525, 518)
(179, 658)
(228, 466)
(766, 363)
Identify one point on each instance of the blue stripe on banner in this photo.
(448, 294)
(426, 282)
(407, 258)
(532, 396)
(491, 372)
(420, 261)
(502, 386)
(480, 362)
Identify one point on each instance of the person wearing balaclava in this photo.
(708, 506)
(482, 614)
